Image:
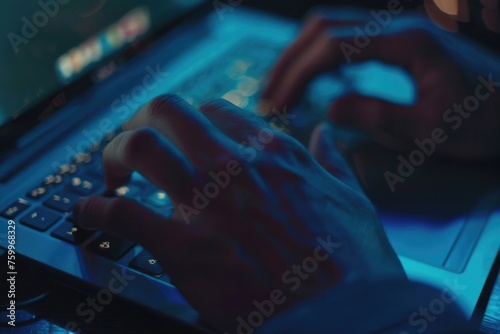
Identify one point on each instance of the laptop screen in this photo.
(49, 44)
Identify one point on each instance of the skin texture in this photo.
(267, 219)
(444, 67)
(280, 197)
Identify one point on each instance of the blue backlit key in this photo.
(15, 208)
(83, 185)
(40, 219)
(62, 201)
(146, 263)
(71, 233)
(110, 246)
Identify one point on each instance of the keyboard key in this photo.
(71, 233)
(62, 201)
(236, 98)
(15, 208)
(146, 263)
(97, 147)
(40, 219)
(129, 191)
(110, 246)
(68, 169)
(82, 158)
(248, 86)
(53, 180)
(159, 201)
(158, 198)
(38, 192)
(83, 185)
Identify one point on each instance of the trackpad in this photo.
(423, 240)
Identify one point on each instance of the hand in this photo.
(445, 69)
(267, 206)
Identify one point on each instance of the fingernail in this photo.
(77, 209)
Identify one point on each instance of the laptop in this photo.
(73, 72)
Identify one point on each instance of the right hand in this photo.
(270, 209)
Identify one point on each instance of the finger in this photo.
(154, 157)
(234, 122)
(313, 28)
(183, 124)
(393, 125)
(491, 19)
(324, 148)
(362, 112)
(491, 4)
(129, 219)
(329, 51)
(400, 43)
(310, 63)
(375, 115)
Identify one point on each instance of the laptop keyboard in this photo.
(49, 204)
(236, 77)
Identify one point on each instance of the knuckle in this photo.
(329, 38)
(280, 142)
(138, 144)
(160, 105)
(221, 159)
(288, 146)
(318, 21)
(215, 106)
(302, 154)
(329, 43)
(115, 211)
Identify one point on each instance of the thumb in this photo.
(323, 147)
(391, 124)
(362, 112)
